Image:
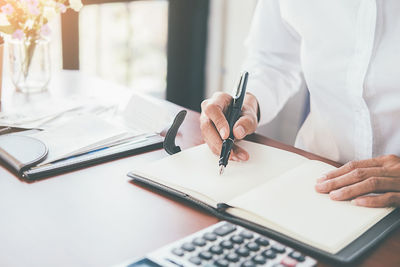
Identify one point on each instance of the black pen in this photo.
(233, 114)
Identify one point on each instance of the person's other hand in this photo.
(355, 180)
(215, 127)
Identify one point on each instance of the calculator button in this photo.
(233, 257)
(178, 252)
(262, 241)
(224, 229)
(253, 246)
(199, 242)
(210, 236)
(270, 254)
(226, 244)
(237, 239)
(289, 262)
(195, 260)
(188, 247)
(222, 263)
(243, 252)
(247, 234)
(216, 249)
(248, 264)
(297, 256)
(205, 255)
(278, 248)
(259, 259)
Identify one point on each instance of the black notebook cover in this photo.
(22, 154)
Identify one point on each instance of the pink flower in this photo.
(18, 34)
(45, 30)
(7, 9)
(34, 10)
(62, 7)
(32, 2)
(33, 6)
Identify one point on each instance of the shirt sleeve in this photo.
(273, 60)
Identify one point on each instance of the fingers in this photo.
(213, 124)
(358, 179)
(370, 185)
(352, 177)
(215, 127)
(210, 135)
(214, 141)
(214, 110)
(239, 153)
(247, 124)
(378, 201)
(348, 167)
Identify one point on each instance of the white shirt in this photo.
(347, 53)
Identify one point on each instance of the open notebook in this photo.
(274, 189)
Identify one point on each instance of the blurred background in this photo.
(180, 50)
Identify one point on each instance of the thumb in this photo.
(247, 124)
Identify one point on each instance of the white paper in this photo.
(146, 115)
(76, 135)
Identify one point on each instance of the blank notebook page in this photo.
(290, 204)
(197, 169)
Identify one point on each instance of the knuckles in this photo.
(204, 103)
(209, 108)
(393, 199)
(351, 165)
(391, 158)
(373, 183)
(359, 174)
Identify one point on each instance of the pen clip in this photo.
(239, 90)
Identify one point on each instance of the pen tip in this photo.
(221, 169)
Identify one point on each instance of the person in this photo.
(347, 54)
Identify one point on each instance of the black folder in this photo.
(21, 154)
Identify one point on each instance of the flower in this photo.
(7, 9)
(27, 19)
(75, 4)
(31, 2)
(45, 30)
(34, 10)
(18, 34)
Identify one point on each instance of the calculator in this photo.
(224, 245)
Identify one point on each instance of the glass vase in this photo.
(30, 64)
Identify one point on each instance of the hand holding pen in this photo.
(215, 127)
